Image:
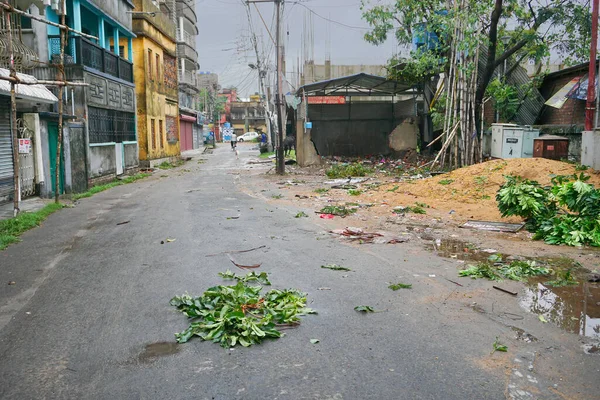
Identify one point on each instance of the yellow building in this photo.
(155, 72)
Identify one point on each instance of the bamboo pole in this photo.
(61, 89)
(13, 120)
(9, 8)
(17, 81)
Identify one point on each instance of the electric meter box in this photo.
(513, 141)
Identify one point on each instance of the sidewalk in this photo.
(28, 205)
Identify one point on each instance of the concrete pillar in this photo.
(116, 40)
(31, 122)
(76, 15)
(101, 33)
(590, 149)
(130, 49)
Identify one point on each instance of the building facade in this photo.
(99, 140)
(248, 116)
(155, 71)
(187, 57)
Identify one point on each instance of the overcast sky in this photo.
(224, 40)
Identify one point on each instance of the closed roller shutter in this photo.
(6, 156)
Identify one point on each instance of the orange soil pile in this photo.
(471, 191)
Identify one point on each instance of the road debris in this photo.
(10, 283)
(301, 214)
(314, 341)
(249, 277)
(236, 251)
(341, 211)
(326, 216)
(400, 285)
(123, 223)
(497, 346)
(324, 288)
(242, 266)
(358, 234)
(493, 226)
(456, 283)
(504, 290)
(364, 309)
(240, 314)
(170, 240)
(335, 267)
(541, 318)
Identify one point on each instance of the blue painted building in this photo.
(104, 145)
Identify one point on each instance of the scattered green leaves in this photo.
(335, 267)
(446, 181)
(301, 214)
(563, 278)
(277, 196)
(499, 346)
(354, 192)
(481, 270)
(252, 276)
(519, 270)
(341, 211)
(416, 209)
(365, 309)
(321, 190)
(314, 341)
(240, 314)
(542, 319)
(394, 188)
(397, 286)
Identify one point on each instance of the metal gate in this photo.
(27, 167)
(6, 154)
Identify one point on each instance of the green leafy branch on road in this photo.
(261, 278)
(101, 188)
(240, 313)
(11, 229)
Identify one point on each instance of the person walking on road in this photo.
(233, 141)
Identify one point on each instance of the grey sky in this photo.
(224, 41)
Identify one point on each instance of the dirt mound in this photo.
(471, 191)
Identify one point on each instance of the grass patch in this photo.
(564, 278)
(170, 165)
(11, 229)
(347, 170)
(446, 181)
(394, 188)
(267, 154)
(101, 188)
(354, 192)
(322, 190)
(277, 196)
(416, 209)
(400, 285)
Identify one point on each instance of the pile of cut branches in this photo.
(240, 313)
(566, 213)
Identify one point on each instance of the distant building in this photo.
(187, 58)
(312, 72)
(155, 64)
(208, 81)
(247, 116)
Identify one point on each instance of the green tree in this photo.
(503, 29)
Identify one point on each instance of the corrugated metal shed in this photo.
(533, 101)
(355, 85)
(35, 93)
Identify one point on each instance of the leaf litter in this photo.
(240, 313)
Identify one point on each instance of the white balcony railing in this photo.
(186, 37)
(187, 77)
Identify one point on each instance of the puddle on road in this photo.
(460, 250)
(575, 309)
(160, 349)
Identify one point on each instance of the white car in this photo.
(248, 137)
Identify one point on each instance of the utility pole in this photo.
(13, 119)
(280, 166)
(591, 92)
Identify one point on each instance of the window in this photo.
(150, 64)
(158, 67)
(160, 133)
(106, 126)
(153, 132)
(122, 51)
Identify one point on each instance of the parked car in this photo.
(248, 137)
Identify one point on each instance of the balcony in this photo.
(84, 52)
(188, 78)
(186, 37)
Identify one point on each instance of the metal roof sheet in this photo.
(36, 93)
(355, 85)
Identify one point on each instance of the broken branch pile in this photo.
(240, 313)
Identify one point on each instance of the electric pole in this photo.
(589, 106)
(280, 166)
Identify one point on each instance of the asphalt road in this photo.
(89, 316)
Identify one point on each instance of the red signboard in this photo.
(327, 100)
